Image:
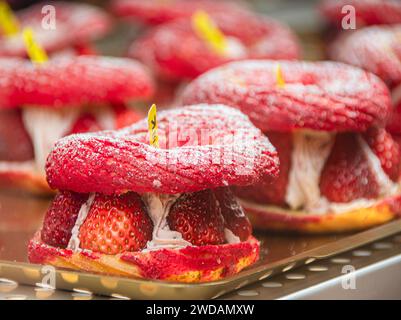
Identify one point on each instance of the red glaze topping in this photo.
(324, 96)
(72, 82)
(224, 149)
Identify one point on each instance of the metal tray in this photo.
(21, 216)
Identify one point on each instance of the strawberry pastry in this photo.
(177, 51)
(153, 12)
(42, 103)
(367, 12)
(339, 166)
(378, 50)
(75, 26)
(128, 208)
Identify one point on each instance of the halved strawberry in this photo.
(86, 122)
(270, 190)
(346, 175)
(60, 218)
(235, 219)
(197, 216)
(386, 149)
(15, 143)
(116, 224)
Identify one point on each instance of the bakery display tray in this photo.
(21, 216)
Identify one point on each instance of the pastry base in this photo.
(265, 217)
(190, 264)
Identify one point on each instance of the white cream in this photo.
(310, 151)
(74, 242)
(235, 49)
(230, 236)
(45, 126)
(158, 209)
(20, 166)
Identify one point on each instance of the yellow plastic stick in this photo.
(35, 52)
(8, 22)
(152, 126)
(279, 77)
(208, 31)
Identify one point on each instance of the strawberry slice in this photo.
(270, 190)
(235, 219)
(386, 149)
(60, 218)
(116, 224)
(15, 143)
(197, 216)
(85, 123)
(346, 175)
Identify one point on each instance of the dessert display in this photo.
(339, 167)
(42, 103)
(262, 159)
(182, 49)
(367, 12)
(157, 211)
(154, 12)
(75, 26)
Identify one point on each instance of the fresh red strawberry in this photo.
(346, 175)
(271, 190)
(197, 216)
(235, 219)
(15, 144)
(116, 224)
(86, 122)
(386, 149)
(60, 218)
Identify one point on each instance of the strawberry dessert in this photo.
(128, 208)
(378, 50)
(58, 26)
(367, 12)
(42, 103)
(178, 51)
(154, 12)
(339, 167)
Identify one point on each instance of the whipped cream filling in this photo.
(309, 155)
(310, 152)
(230, 236)
(74, 242)
(158, 209)
(235, 48)
(21, 166)
(45, 126)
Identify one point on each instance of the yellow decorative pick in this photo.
(279, 77)
(8, 22)
(208, 31)
(35, 52)
(152, 127)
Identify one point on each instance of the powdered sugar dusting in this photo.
(324, 96)
(202, 147)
